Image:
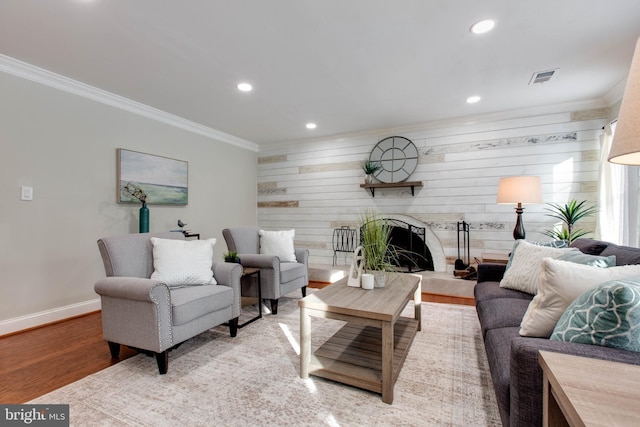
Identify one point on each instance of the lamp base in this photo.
(518, 231)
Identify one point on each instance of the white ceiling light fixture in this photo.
(244, 87)
(311, 126)
(483, 26)
(473, 99)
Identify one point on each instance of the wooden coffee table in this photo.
(369, 351)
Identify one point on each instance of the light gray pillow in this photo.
(592, 260)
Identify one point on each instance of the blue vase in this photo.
(144, 218)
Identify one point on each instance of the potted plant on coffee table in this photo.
(378, 254)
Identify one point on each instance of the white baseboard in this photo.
(32, 320)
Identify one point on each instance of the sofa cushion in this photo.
(178, 263)
(561, 282)
(500, 313)
(490, 290)
(590, 246)
(189, 303)
(498, 348)
(290, 271)
(608, 315)
(523, 273)
(278, 243)
(625, 255)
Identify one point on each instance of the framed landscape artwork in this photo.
(164, 180)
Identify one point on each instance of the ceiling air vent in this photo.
(542, 76)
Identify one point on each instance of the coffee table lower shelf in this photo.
(353, 355)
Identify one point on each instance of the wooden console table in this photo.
(369, 351)
(581, 391)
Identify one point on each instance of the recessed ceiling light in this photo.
(473, 99)
(483, 26)
(311, 126)
(244, 87)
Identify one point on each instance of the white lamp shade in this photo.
(625, 147)
(520, 189)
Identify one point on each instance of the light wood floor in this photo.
(40, 360)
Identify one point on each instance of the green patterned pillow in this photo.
(608, 315)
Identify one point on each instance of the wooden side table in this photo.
(581, 391)
(247, 272)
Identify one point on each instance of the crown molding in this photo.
(39, 75)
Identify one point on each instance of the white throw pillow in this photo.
(561, 282)
(522, 274)
(278, 243)
(183, 262)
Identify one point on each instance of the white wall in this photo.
(314, 187)
(64, 146)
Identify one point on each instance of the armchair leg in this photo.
(114, 348)
(274, 306)
(233, 327)
(163, 361)
(304, 291)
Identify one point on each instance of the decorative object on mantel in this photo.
(355, 271)
(569, 213)
(519, 190)
(625, 147)
(398, 159)
(370, 167)
(378, 255)
(138, 193)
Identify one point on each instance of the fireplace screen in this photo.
(411, 246)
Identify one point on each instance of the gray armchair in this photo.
(276, 278)
(148, 315)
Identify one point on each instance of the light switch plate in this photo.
(26, 193)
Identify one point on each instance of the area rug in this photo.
(253, 380)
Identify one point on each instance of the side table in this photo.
(248, 272)
(582, 391)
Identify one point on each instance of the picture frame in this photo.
(165, 181)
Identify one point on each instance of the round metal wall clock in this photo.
(398, 158)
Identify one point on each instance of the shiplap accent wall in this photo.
(315, 187)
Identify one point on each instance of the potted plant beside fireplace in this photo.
(378, 255)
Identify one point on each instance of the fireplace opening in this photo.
(410, 245)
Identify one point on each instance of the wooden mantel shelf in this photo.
(372, 187)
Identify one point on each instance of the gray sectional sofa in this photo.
(513, 359)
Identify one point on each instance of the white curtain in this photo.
(617, 197)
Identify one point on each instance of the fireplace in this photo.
(418, 248)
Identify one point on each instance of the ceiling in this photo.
(348, 65)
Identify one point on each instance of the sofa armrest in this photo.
(132, 288)
(136, 312)
(490, 272)
(526, 374)
(260, 261)
(229, 274)
(302, 256)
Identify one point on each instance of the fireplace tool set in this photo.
(462, 267)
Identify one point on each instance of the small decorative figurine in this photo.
(355, 271)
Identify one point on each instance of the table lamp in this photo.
(519, 190)
(625, 147)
